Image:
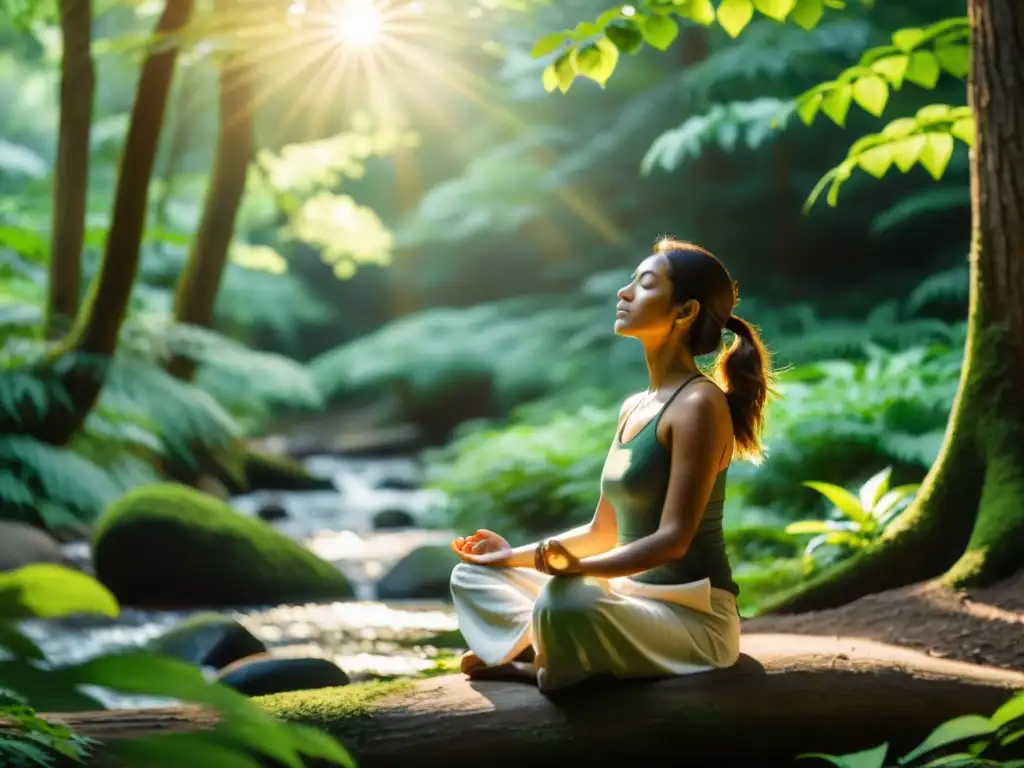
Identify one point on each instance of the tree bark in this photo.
(71, 175)
(790, 695)
(93, 341)
(968, 523)
(196, 293)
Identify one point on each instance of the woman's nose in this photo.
(623, 293)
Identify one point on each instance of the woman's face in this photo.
(647, 306)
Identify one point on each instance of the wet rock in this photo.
(263, 675)
(422, 574)
(208, 640)
(393, 518)
(22, 544)
(272, 511)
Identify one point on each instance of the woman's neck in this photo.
(668, 365)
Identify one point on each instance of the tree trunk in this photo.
(968, 522)
(71, 176)
(93, 341)
(196, 292)
(790, 695)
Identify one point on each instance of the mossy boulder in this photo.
(171, 546)
(423, 574)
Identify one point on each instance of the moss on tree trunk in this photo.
(196, 292)
(967, 525)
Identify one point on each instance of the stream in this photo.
(378, 515)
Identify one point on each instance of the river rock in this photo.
(262, 675)
(424, 573)
(208, 640)
(170, 546)
(22, 544)
(393, 518)
(272, 511)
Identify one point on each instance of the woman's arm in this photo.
(597, 536)
(700, 433)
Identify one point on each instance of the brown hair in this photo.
(744, 370)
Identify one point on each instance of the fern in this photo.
(931, 200)
(950, 285)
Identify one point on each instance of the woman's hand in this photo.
(553, 558)
(482, 548)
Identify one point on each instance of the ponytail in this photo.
(744, 371)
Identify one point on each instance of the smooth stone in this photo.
(262, 675)
(208, 640)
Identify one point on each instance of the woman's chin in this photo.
(622, 327)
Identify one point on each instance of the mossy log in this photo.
(788, 695)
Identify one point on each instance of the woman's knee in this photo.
(466, 576)
(568, 595)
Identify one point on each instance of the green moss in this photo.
(168, 545)
(331, 707)
(271, 472)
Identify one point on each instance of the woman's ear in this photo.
(687, 312)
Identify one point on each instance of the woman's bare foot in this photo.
(514, 671)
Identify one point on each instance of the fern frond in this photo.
(930, 200)
(950, 284)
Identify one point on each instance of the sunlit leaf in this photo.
(548, 44)
(876, 486)
(963, 130)
(775, 9)
(955, 59)
(597, 61)
(735, 15)
(892, 68)
(871, 93)
(52, 591)
(908, 39)
(906, 152)
(660, 31)
(923, 69)
(950, 732)
(841, 498)
(807, 13)
(876, 160)
(1008, 712)
(936, 153)
(625, 35)
(549, 78)
(836, 103)
(869, 758)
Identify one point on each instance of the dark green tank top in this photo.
(635, 482)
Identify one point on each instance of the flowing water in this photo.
(363, 636)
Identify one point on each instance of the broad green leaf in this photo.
(892, 68)
(908, 39)
(548, 44)
(735, 15)
(950, 732)
(964, 130)
(841, 498)
(807, 13)
(625, 35)
(808, 527)
(660, 31)
(1009, 711)
(1011, 738)
(702, 12)
(597, 61)
(807, 107)
(935, 154)
(892, 497)
(869, 758)
(549, 78)
(905, 152)
(19, 646)
(933, 112)
(876, 161)
(923, 69)
(900, 127)
(871, 93)
(876, 485)
(775, 9)
(955, 59)
(52, 591)
(196, 750)
(314, 743)
(836, 103)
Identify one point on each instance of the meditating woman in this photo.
(645, 589)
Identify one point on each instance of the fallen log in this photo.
(787, 695)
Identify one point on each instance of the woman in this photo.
(645, 589)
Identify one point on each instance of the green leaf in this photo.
(964, 130)
(808, 105)
(876, 161)
(660, 31)
(923, 69)
(836, 103)
(196, 750)
(548, 44)
(775, 9)
(908, 39)
(19, 646)
(597, 61)
(700, 11)
(565, 70)
(891, 498)
(892, 68)
(625, 36)
(1009, 711)
(807, 13)
(871, 93)
(955, 59)
(314, 743)
(951, 731)
(876, 485)
(869, 758)
(735, 15)
(906, 151)
(808, 527)
(841, 498)
(52, 591)
(549, 78)
(935, 154)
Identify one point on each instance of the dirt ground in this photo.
(983, 626)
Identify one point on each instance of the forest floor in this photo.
(983, 626)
